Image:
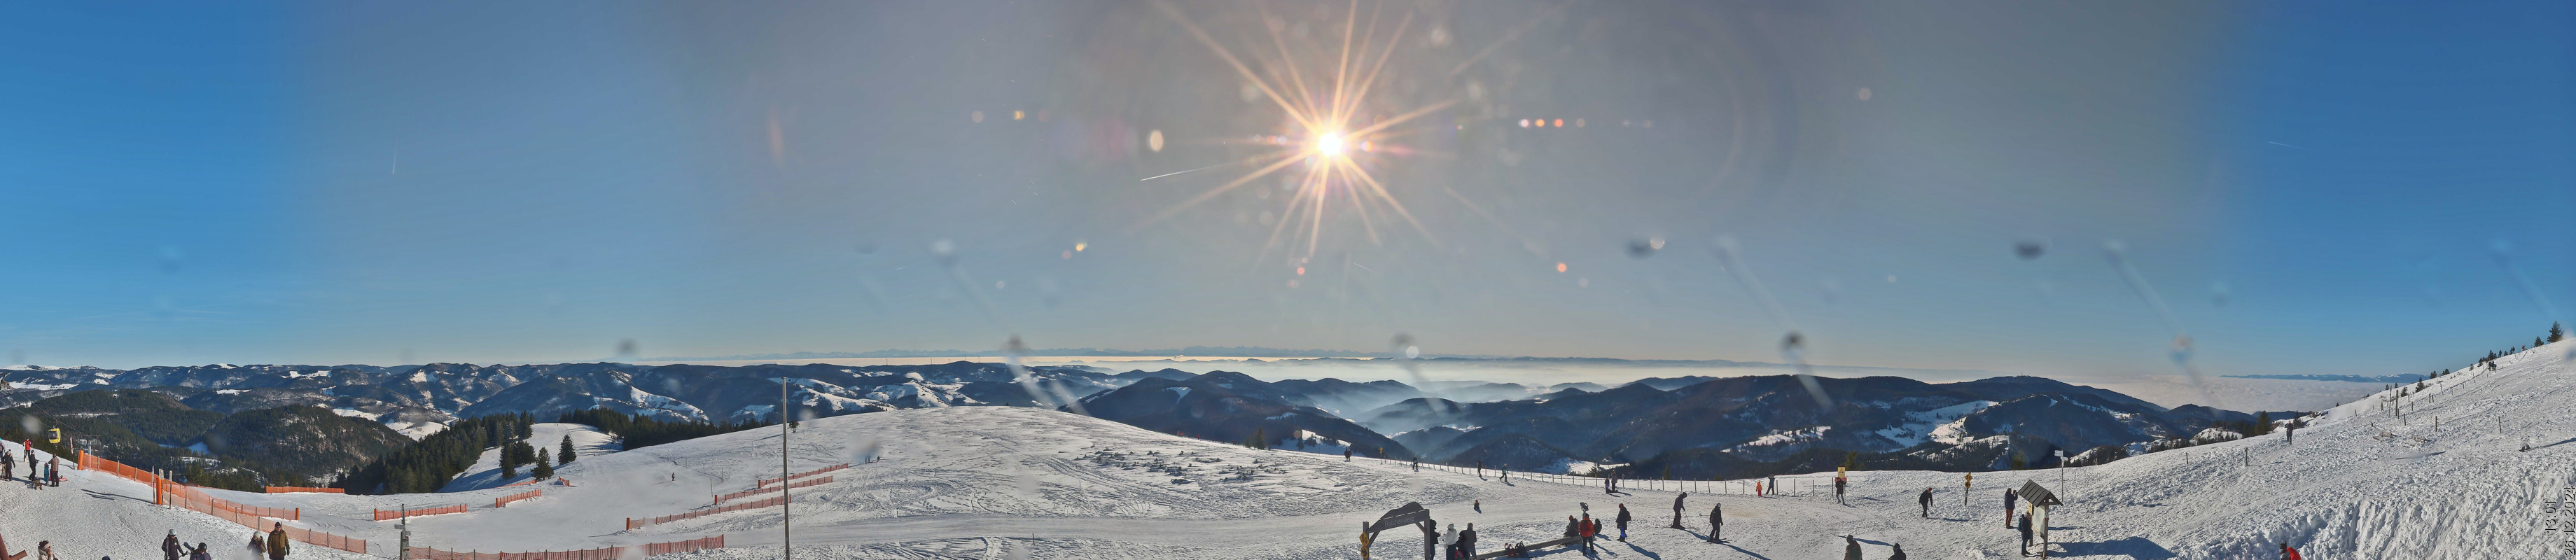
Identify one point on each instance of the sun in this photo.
(1329, 144)
(1331, 123)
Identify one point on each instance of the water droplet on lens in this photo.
(1646, 247)
(2029, 250)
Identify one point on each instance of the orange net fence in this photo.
(505, 500)
(165, 491)
(766, 482)
(287, 489)
(390, 514)
(634, 523)
(610, 553)
(813, 482)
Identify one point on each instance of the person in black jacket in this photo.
(170, 549)
(1623, 522)
(1467, 540)
(2025, 534)
(1716, 522)
(1927, 502)
(2009, 498)
(1677, 509)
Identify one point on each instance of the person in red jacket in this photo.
(2288, 553)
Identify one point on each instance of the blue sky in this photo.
(2310, 188)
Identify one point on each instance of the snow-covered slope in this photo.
(1008, 482)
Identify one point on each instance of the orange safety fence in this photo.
(610, 553)
(520, 483)
(391, 514)
(164, 491)
(634, 523)
(813, 482)
(766, 482)
(505, 500)
(287, 489)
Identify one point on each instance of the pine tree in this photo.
(2556, 334)
(545, 466)
(509, 471)
(566, 454)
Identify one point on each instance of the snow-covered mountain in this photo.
(2378, 479)
(417, 399)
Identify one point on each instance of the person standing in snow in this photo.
(1585, 530)
(54, 472)
(2288, 553)
(1677, 509)
(1452, 536)
(277, 542)
(1775, 483)
(1623, 522)
(1927, 502)
(8, 464)
(1838, 490)
(2009, 498)
(2025, 534)
(1851, 548)
(170, 548)
(1900, 552)
(1716, 523)
(1467, 540)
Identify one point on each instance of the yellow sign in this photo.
(58, 435)
(1840, 472)
(1970, 482)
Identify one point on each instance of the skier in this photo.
(2288, 553)
(1623, 522)
(2009, 498)
(1677, 509)
(1900, 552)
(1716, 523)
(1467, 540)
(2025, 534)
(1851, 548)
(277, 542)
(170, 548)
(1927, 502)
(1838, 490)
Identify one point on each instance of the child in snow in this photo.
(1623, 522)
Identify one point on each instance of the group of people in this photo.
(39, 473)
(1716, 518)
(1462, 544)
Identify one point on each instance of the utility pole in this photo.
(786, 530)
(403, 551)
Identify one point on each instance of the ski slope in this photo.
(987, 482)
